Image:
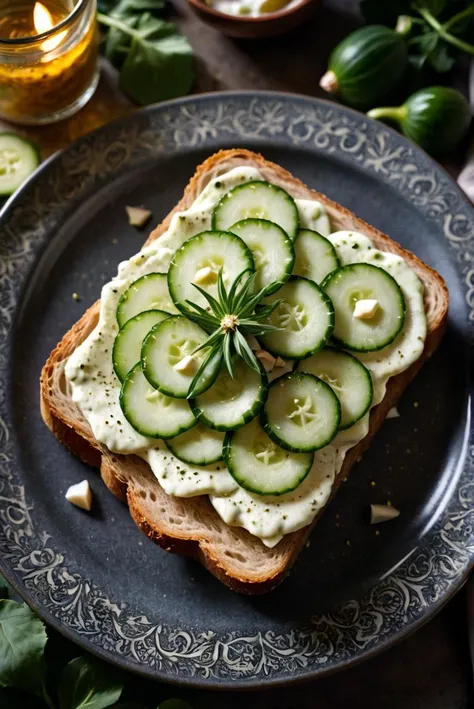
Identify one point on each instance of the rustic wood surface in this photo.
(431, 669)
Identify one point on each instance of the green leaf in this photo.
(22, 642)
(4, 588)
(212, 359)
(215, 305)
(257, 328)
(222, 292)
(241, 297)
(235, 285)
(135, 14)
(174, 704)
(227, 352)
(243, 350)
(157, 70)
(210, 342)
(88, 684)
(441, 59)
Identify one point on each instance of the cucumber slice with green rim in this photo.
(199, 446)
(259, 465)
(231, 403)
(363, 281)
(149, 292)
(208, 251)
(18, 160)
(315, 256)
(167, 344)
(272, 251)
(305, 316)
(150, 412)
(128, 343)
(257, 200)
(348, 378)
(302, 413)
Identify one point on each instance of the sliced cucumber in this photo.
(305, 316)
(259, 465)
(315, 256)
(167, 344)
(257, 200)
(150, 412)
(208, 252)
(347, 377)
(200, 446)
(363, 281)
(149, 292)
(272, 250)
(18, 160)
(302, 413)
(128, 343)
(231, 403)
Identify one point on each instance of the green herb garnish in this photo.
(233, 315)
(436, 30)
(155, 61)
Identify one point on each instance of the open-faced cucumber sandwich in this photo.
(241, 355)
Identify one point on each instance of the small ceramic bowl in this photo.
(268, 25)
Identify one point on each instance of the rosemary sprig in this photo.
(232, 315)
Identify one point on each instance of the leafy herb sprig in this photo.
(83, 683)
(155, 61)
(233, 315)
(436, 30)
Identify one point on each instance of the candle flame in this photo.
(43, 21)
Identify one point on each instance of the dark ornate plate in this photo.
(354, 591)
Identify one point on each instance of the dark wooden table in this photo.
(431, 669)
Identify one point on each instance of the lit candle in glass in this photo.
(48, 58)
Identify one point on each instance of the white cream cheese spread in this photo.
(96, 388)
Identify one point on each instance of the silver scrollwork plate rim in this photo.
(45, 576)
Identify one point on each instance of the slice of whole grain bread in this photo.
(191, 526)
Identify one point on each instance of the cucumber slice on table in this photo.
(128, 343)
(258, 200)
(305, 316)
(231, 403)
(348, 378)
(200, 446)
(207, 252)
(259, 465)
(302, 413)
(167, 344)
(18, 160)
(315, 256)
(149, 292)
(150, 412)
(271, 248)
(363, 281)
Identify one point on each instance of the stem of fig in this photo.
(393, 113)
(329, 82)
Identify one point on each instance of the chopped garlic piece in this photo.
(279, 362)
(205, 275)
(137, 216)
(393, 413)
(80, 495)
(365, 309)
(382, 513)
(187, 365)
(266, 359)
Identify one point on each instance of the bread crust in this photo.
(191, 527)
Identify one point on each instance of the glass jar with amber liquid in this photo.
(48, 58)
